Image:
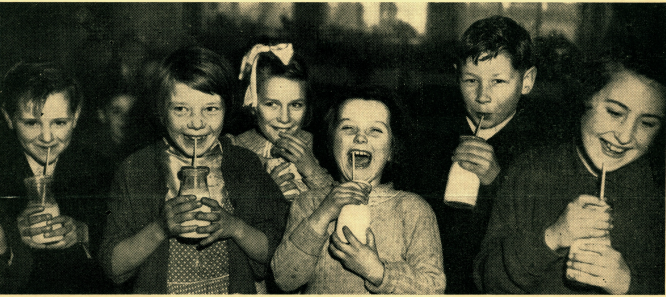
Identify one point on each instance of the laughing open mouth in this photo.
(361, 159)
(612, 150)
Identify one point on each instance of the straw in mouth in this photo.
(478, 126)
(48, 155)
(194, 153)
(353, 165)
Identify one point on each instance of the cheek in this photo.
(645, 137)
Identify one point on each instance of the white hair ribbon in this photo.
(284, 52)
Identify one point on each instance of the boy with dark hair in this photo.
(495, 68)
(41, 104)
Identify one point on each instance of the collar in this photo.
(488, 133)
(38, 169)
(215, 149)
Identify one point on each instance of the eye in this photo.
(499, 81)
(349, 129)
(212, 109)
(376, 131)
(270, 104)
(30, 123)
(469, 80)
(614, 113)
(61, 122)
(180, 110)
(650, 124)
(298, 105)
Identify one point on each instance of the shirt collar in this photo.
(38, 169)
(488, 133)
(215, 149)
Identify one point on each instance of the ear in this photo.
(101, 116)
(528, 80)
(8, 119)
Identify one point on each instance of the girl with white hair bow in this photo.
(276, 97)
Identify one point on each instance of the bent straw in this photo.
(603, 183)
(478, 126)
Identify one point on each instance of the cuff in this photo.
(387, 286)
(307, 239)
(532, 251)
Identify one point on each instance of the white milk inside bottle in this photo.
(54, 210)
(194, 182)
(462, 188)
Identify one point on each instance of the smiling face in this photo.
(52, 130)
(493, 88)
(193, 114)
(363, 132)
(623, 120)
(281, 107)
(116, 114)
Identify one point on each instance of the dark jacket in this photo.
(81, 180)
(515, 259)
(138, 197)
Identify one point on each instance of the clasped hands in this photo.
(179, 209)
(584, 227)
(72, 231)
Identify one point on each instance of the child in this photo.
(145, 230)
(41, 104)
(398, 251)
(495, 69)
(277, 99)
(552, 231)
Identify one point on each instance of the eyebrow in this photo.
(377, 122)
(660, 117)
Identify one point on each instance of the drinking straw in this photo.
(46, 166)
(353, 165)
(478, 126)
(48, 154)
(603, 183)
(194, 152)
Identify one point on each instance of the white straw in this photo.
(478, 126)
(603, 183)
(353, 165)
(194, 153)
(48, 155)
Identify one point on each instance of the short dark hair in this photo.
(493, 36)
(399, 120)
(200, 69)
(35, 82)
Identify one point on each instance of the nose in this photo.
(483, 94)
(285, 117)
(625, 131)
(46, 134)
(360, 138)
(196, 121)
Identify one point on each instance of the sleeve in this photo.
(16, 263)
(118, 226)
(422, 270)
(319, 179)
(297, 255)
(513, 259)
(267, 210)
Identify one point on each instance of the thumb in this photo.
(370, 238)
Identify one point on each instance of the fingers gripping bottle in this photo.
(194, 181)
(40, 193)
(355, 217)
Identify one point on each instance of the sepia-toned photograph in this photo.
(420, 148)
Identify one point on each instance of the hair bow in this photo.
(284, 52)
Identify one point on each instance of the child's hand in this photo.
(284, 181)
(223, 225)
(598, 264)
(27, 219)
(585, 217)
(475, 155)
(298, 152)
(346, 193)
(178, 210)
(357, 257)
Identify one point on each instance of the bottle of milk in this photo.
(40, 193)
(194, 181)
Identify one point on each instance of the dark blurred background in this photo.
(405, 46)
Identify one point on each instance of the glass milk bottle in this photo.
(462, 187)
(194, 182)
(40, 193)
(355, 217)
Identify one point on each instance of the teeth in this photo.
(613, 148)
(361, 153)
